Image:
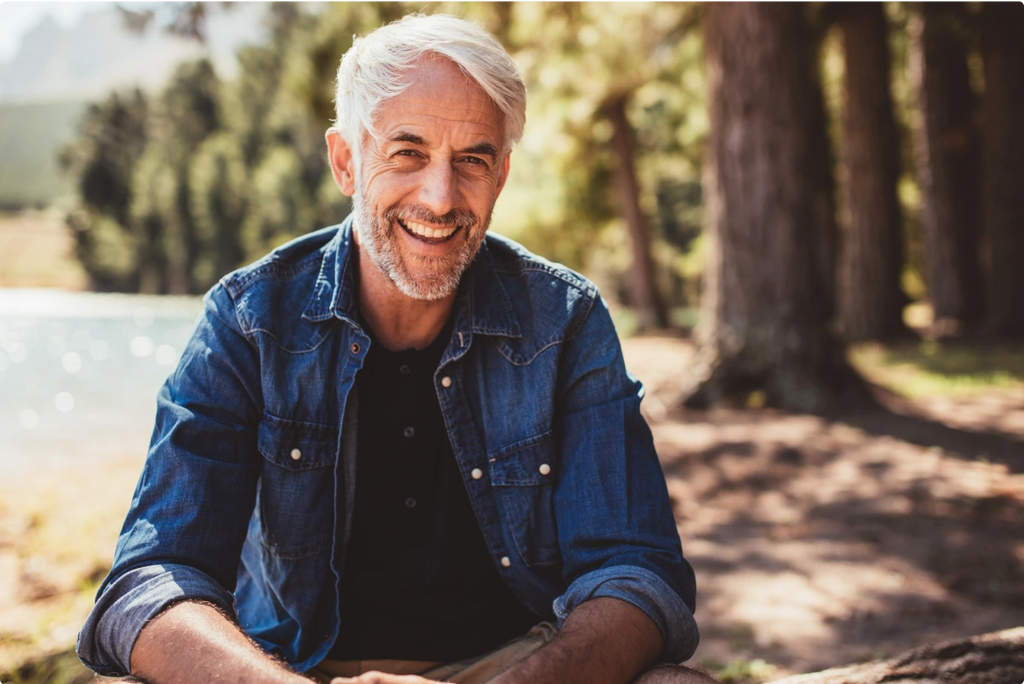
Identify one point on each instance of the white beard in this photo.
(377, 235)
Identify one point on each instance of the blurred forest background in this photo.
(809, 222)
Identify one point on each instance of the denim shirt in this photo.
(252, 459)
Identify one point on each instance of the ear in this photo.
(339, 154)
(503, 174)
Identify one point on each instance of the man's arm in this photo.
(616, 529)
(603, 641)
(187, 523)
(192, 642)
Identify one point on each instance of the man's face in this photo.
(425, 189)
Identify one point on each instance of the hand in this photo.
(374, 677)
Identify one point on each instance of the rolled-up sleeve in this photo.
(616, 529)
(188, 518)
(133, 599)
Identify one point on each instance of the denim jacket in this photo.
(252, 461)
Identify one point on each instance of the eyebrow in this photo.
(409, 138)
(480, 148)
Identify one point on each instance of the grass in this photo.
(931, 368)
(55, 541)
(58, 668)
(741, 670)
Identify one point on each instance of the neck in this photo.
(397, 320)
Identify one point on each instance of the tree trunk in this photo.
(764, 311)
(871, 257)
(988, 659)
(947, 164)
(825, 232)
(1002, 174)
(642, 284)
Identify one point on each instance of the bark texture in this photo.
(871, 256)
(947, 166)
(765, 307)
(645, 299)
(994, 658)
(1002, 48)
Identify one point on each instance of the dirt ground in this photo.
(816, 542)
(825, 542)
(36, 250)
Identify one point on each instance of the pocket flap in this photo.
(528, 462)
(297, 445)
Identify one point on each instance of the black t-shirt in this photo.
(418, 581)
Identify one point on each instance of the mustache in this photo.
(458, 217)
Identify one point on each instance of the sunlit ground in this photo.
(36, 250)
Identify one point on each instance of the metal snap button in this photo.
(477, 473)
(296, 454)
(505, 562)
(355, 347)
(544, 469)
(446, 382)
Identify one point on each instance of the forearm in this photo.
(193, 642)
(603, 641)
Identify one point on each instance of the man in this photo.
(400, 445)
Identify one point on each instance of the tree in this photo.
(947, 164)
(871, 256)
(1002, 173)
(645, 298)
(111, 138)
(622, 49)
(217, 189)
(764, 312)
(189, 112)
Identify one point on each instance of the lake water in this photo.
(79, 372)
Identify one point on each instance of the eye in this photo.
(475, 160)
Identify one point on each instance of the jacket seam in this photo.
(273, 266)
(294, 352)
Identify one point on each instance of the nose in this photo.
(439, 189)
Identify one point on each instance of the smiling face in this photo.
(426, 186)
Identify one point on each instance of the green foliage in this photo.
(111, 138)
(576, 59)
(932, 368)
(217, 190)
(280, 202)
(60, 668)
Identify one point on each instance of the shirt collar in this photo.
(481, 306)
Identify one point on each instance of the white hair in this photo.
(376, 68)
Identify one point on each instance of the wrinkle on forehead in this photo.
(437, 84)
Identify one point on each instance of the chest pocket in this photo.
(296, 486)
(523, 476)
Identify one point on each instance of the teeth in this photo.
(428, 232)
